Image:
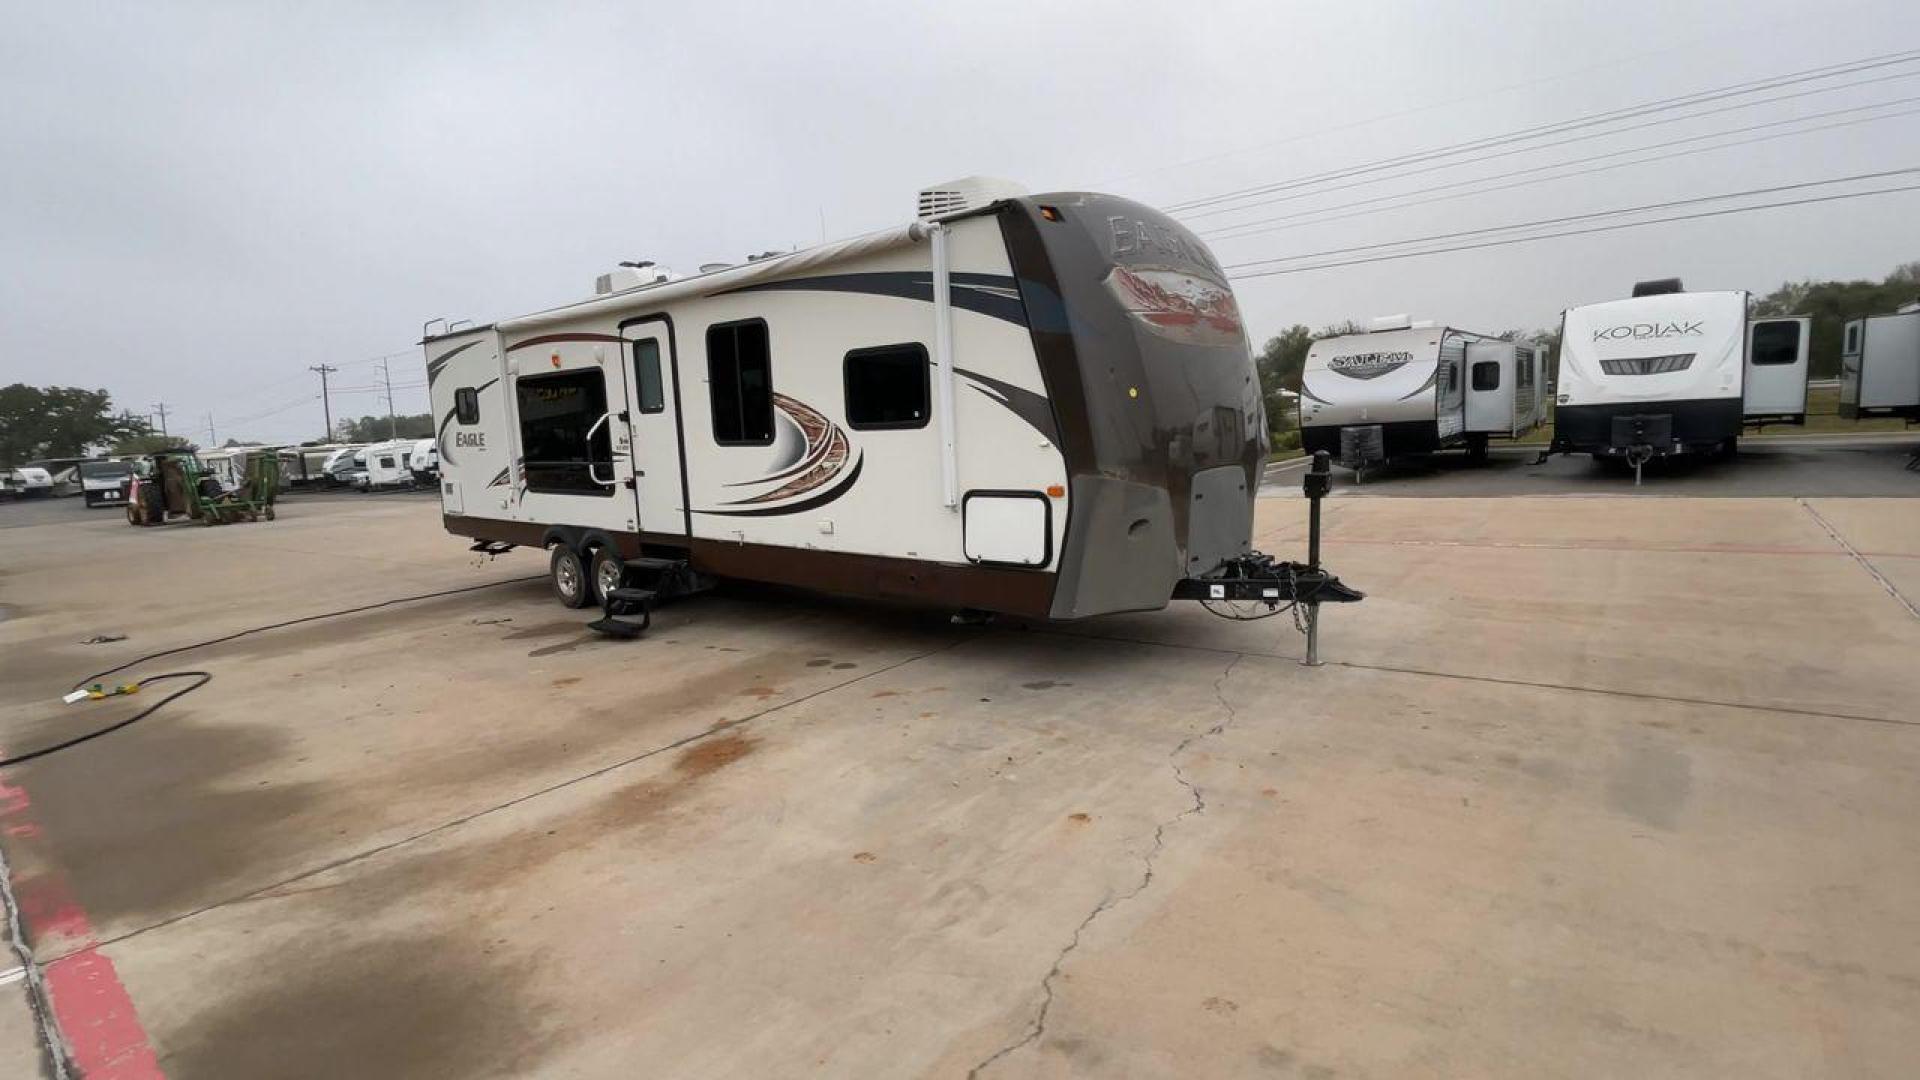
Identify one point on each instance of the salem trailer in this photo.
(1043, 406)
(1414, 388)
(1671, 372)
(1880, 366)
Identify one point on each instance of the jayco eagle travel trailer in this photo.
(1673, 372)
(1880, 366)
(1414, 388)
(1037, 405)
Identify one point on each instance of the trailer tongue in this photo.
(1268, 583)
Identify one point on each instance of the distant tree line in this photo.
(376, 428)
(1830, 303)
(60, 421)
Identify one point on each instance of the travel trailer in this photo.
(1413, 388)
(103, 481)
(1674, 372)
(1037, 405)
(1880, 365)
(387, 465)
(424, 462)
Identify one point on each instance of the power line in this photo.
(1720, 36)
(1226, 232)
(1575, 232)
(1580, 217)
(1559, 127)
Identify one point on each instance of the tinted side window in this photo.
(740, 383)
(1486, 375)
(646, 370)
(887, 387)
(1776, 343)
(466, 405)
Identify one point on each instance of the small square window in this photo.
(466, 406)
(887, 387)
(1486, 375)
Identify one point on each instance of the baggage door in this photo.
(1776, 375)
(653, 401)
(569, 391)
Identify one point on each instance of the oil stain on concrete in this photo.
(1651, 784)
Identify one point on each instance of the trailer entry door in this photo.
(1776, 375)
(653, 405)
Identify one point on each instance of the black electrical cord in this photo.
(201, 678)
(205, 677)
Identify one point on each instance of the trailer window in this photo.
(1853, 338)
(466, 406)
(740, 383)
(1486, 375)
(1776, 343)
(887, 387)
(556, 414)
(646, 372)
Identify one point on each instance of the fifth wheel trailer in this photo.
(1880, 366)
(1037, 405)
(1672, 372)
(1413, 388)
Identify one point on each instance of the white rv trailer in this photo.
(423, 461)
(1037, 405)
(387, 464)
(1880, 366)
(1414, 388)
(1672, 372)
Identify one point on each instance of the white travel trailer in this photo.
(1880, 366)
(387, 464)
(424, 462)
(1414, 388)
(1037, 405)
(1673, 372)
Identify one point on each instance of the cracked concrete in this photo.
(1543, 814)
(1038, 1027)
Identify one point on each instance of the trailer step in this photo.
(492, 547)
(625, 613)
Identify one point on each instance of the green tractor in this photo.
(172, 486)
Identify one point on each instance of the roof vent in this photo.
(1390, 322)
(713, 268)
(1658, 287)
(966, 193)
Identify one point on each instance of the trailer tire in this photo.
(608, 570)
(571, 585)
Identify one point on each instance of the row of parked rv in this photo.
(1665, 372)
(367, 466)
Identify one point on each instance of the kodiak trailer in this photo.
(1880, 366)
(1671, 372)
(1414, 388)
(1036, 405)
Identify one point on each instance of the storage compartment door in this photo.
(1007, 528)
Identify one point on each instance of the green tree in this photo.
(1280, 364)
(152, 443)
(375, 428)
(1832, 304)
(59, 421)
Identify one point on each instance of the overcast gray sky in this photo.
(198, 201)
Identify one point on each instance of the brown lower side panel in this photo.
(986, 588)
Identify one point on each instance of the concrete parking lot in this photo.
(1590, 786)
(1776, 465)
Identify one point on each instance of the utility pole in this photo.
(161, 407)
(213, 439)
(326, 403)
(393, 432)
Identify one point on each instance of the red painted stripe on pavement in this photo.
(91, 1007)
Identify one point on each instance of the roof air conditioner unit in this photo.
(1658, 287)
(964, 194)
(631, 275)
(1389, 322)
